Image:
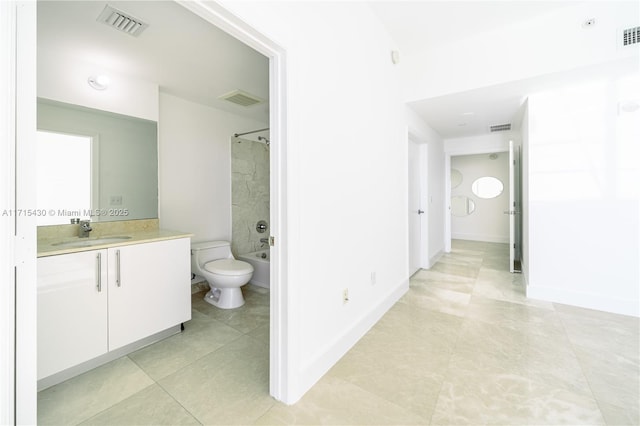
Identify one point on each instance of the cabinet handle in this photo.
(99, 268)
(118, 268)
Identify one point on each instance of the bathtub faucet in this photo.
(264, 240)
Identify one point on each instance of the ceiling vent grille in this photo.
(500, 127)
(122, 21)
(631, 36)
(241, 98)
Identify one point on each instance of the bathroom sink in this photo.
(92, 242)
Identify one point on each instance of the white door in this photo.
(416, 210)
(514, 208)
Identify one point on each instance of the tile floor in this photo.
(463, 346)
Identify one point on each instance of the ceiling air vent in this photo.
(631, 36)
(241, 98)
(500, 127)
(121, 21)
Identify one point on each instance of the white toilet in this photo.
(213, 261)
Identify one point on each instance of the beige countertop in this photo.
(53, 246)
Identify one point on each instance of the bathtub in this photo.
(260, 262)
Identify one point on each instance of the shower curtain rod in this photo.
(235, 135)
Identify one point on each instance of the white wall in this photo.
(347, 174)
(488, 221)
(64, 79)
(195, 167)
(584, 197)
(545, 44)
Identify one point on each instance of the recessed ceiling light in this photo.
(629, 106)
(99, 82)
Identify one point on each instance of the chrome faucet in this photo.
(85, 228)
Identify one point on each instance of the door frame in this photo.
(18, 400)
(281, 381)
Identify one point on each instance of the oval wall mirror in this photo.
(456, 178)
(487, 187)
(462, 206)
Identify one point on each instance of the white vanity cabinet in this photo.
(149, 289)
(72, 310)
(94, 302)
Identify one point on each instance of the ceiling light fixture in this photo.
(99, 82)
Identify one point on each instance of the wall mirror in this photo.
(87, 154)
(456, 178)
(487, 187)
(462, 206)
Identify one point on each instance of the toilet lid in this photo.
(228, 267)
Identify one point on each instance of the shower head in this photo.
(262, 138)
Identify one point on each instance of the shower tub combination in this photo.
(260, 262)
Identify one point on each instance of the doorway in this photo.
(474, 213)
(24, 127)
(418, 206)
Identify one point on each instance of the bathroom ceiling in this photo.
(185, 55)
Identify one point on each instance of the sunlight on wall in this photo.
(585, 146)
(628, 138)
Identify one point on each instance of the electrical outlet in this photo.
(373, 278)
(115, 200)
(345, 296)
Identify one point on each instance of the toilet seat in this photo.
(229, 267)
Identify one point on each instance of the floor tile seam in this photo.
(445, 376)
(572, 346)
(256, 339)
(384, 397)
(115, 404)
(165, 390)
(186, 365)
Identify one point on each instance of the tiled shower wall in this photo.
(250, 194)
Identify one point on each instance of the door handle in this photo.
(420, 211)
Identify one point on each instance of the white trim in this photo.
(585, 300)
(7, 203)
(25, 190)
(282, 327)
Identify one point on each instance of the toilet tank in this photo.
(207, 251)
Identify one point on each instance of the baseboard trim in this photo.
(598, 302)
(480, 237)
(435, 258)
(318, 367)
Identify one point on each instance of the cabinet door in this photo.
(72, 310)
(149, 289)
